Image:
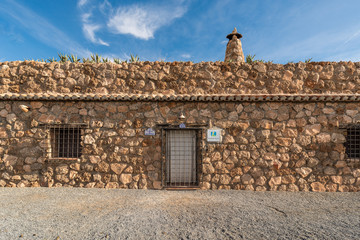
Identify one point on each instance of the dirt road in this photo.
(63, 213)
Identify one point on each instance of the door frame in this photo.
(199, 148)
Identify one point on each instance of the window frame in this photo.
(352, 143)
(63, 131)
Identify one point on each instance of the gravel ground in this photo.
(64, 213)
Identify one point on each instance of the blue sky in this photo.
(180, 30)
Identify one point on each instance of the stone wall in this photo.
(266, 146)
(180, 78)
(293, 146)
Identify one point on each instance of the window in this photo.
(65, 141)
(353, 141)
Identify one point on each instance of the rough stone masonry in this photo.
(284, 127)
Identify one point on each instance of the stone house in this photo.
(155, 125)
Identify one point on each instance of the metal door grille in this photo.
(181, 158)
(353, 141)
(65, 141)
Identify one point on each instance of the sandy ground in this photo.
(64, 213)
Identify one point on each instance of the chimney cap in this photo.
(234, 32)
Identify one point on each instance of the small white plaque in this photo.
(214, 135)
(150, 132)
(182, 125)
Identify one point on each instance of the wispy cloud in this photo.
(85, 17)
(41, 29)
(308, 29)
(143, 21)
(185, 55)
(350, 55)
(89, 31)
(82, 3)
(112, 56)
(89, 27)
(326, 45)
(347, 47)
(11, 33)
(105, 7)
(352, 37)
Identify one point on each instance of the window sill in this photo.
(63, 159)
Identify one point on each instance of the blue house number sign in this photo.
(150, 132)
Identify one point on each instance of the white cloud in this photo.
(143, 21)
(89, 31)
(186, 55)
(326, 45)
(89, 28)
(352, 37)
(140, 21)
(112, 56)
(41, 29)
(85, 17)
(351, 53)
(82, 3)
(105, 7)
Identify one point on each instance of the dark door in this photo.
(181, 158)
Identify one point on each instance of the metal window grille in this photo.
(352, 144)
(181, 158)
(65, 141)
